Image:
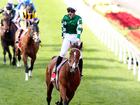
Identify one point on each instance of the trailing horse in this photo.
(7, 33)
(68, 78)
(28, 47)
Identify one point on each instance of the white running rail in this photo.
(114, 40)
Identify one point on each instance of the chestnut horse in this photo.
(68, 77)
(7, 33)
(29, 45)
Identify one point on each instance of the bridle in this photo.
(34, 34)
(75, 63)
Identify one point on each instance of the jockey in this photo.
(10, 11)
(71, 32)
(28, 16)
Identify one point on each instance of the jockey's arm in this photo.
(12, 15)
(79, 28)
(16, 18)
(18, 7)
(63, 27)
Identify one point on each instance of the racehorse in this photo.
(7, 31)
(68, 77)
(29, 45)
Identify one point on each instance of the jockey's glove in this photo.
(78, 36)
(63, 35)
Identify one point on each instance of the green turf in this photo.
(106, 81)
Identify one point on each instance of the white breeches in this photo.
(67, 41)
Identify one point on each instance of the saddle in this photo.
(55, 83)
(20, 35)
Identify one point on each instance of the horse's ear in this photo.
(37, 21)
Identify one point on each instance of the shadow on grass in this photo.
(100, 59)
(87, 77)
(90, 50)
(51, 45)
(99, 66)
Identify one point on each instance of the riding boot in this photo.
(18, 38)
(81, 66)
(53, 76)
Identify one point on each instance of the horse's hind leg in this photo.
(19, 58)
(49, 92)
(9, 54)
(4, 58)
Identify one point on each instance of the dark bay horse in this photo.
(7, 33)
(68, 78)
(29, 45)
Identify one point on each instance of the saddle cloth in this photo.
(57, 72)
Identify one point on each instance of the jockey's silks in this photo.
(29, 15)
(72, 25)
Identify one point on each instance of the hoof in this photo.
(4, 63)
(18, 64)
(14, 63)
(58, 103)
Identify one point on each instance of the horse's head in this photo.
(5, 22)
(74, 58)
(34, 30)
(78, 45)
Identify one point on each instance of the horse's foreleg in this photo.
(32, 65)
(4, 54)
(14, 57)
(59, 102)
(63, 95)
(26, 66)
(70, 97)
(9, 54)
(49, 92)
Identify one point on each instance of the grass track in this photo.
(105, 81)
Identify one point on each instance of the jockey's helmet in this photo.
(9, 6)
(71, 9)
(27, 2)
(29, 8)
